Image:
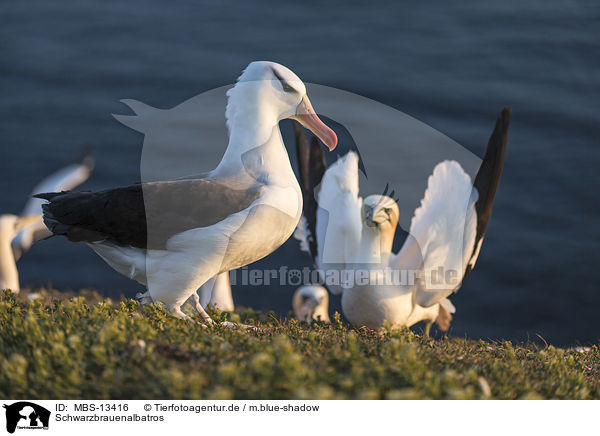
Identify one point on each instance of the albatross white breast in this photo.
(446, 233)
(173, 236)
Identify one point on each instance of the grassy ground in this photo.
(90, 348)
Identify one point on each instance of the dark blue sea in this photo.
(65, 66)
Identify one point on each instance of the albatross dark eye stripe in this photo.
(286, 86)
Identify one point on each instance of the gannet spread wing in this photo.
(330, 228)
(448, 228)
(441, 231)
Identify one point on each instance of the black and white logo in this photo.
(26, 415)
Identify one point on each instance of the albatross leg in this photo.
(145, 298)
(427, 327)
(205, 317)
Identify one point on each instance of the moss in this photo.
(87, 347)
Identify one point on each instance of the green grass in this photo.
(89, 348)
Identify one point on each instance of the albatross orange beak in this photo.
(305, 115)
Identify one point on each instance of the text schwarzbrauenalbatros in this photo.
(68, 417)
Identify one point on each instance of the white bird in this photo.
(342, 231)
(217, 292)
(18, 233)
(173, 236)
(311, 302)
(65, 179)
(10, 225)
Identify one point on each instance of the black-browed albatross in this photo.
(173, 236)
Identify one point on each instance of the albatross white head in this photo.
(266, 93)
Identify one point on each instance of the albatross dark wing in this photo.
(311, 166)
(488, 179)
(143, 215)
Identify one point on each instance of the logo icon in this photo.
(26, 415)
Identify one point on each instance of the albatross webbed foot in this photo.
(233, 325)
(209, 320)
(176, 311)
